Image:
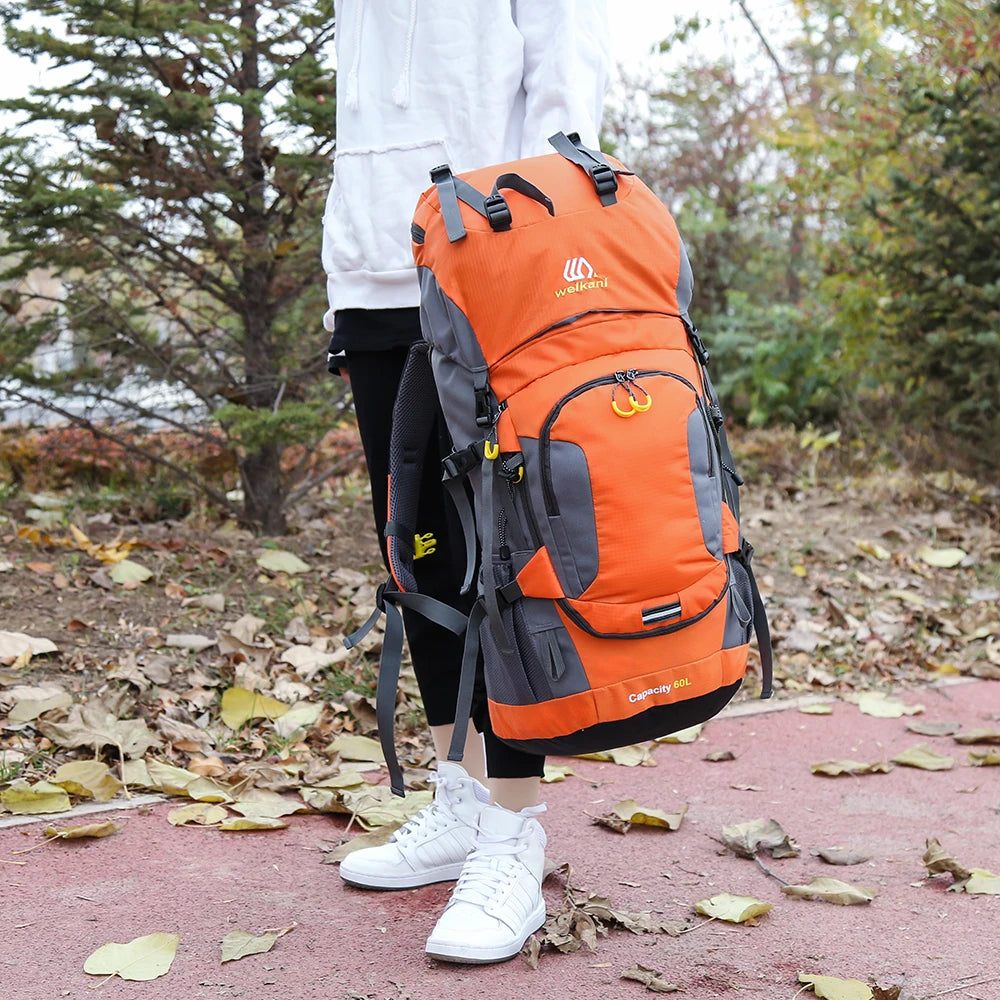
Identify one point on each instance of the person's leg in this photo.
(433, 846)
(498, 902)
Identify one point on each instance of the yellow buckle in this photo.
(424, 545)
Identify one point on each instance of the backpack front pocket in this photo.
(623, 490)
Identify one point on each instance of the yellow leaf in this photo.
(104, 829)
(884, 706)
(260, 802)
(168, 778)
(941, 558)
(985, 758)
(632, 812)
(238, 944)
(733, 909)
(829, 988)
(239, 823)
(203, 789)
(836, 768)
(982, 882)
(832, 890)
(197, 813)
(375, 805)
(799, 570)
(873, 549)
(816, 709)
(630, 756)
(278, 561)
(688, 735)
(90, 778)
(140, 960)
(240, 706)
(24, 799)
(923, 757)
(556, 772)
(128, 572)
(361, 748)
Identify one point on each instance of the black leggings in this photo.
(436, 653)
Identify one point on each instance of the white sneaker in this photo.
(498, 901)
(432, 846)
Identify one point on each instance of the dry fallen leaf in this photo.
(238, 824)
(24, 799)
(970, 736)
(836, 768)
(841, 856)
(746, 839)
(89, 778)
(240, 706)
(556, 772)
(238, 944)
(831, 890)
(732, 909)
(650, 978)
(105, 829)
(984, 758)
(197, 814)
(941, 558)
(630, 756)
(829, 988)
(630, 811)
(885, 706)
(279, 561)
(94, 725)
(142, 959)
(923, 728)
(923, 757)
(15, 646)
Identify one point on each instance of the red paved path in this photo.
(72, 897)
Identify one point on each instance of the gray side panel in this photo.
(685, 283)
(707, 488)
(455, 354)
(571, 537)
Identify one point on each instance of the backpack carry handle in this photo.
(501, 219)
(492, 207)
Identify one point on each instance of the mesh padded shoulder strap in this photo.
(412, 426)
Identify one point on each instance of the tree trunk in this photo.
(264, 494)
(260, 469)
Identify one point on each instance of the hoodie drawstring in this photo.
(401, 92)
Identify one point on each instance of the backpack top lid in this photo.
(585, 256)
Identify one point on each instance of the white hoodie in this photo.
(426, 82)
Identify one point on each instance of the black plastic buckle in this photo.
(484, 418)
(604, 180)
(746, 553)
(461, 463)
(497, 213)
(698, 345)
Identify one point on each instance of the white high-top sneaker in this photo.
(432, 846)
(498, 901)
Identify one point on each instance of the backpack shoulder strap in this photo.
(413, 419)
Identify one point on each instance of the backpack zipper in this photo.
(544, 451)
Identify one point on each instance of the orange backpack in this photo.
(616, 598)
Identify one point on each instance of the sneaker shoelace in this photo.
(491, 866)
(431, 818)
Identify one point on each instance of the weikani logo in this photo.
(577, 268)
(643, 695)
(580, 273)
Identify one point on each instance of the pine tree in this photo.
(171, 175)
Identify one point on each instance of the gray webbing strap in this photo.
(592, 161)
(466, 683)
